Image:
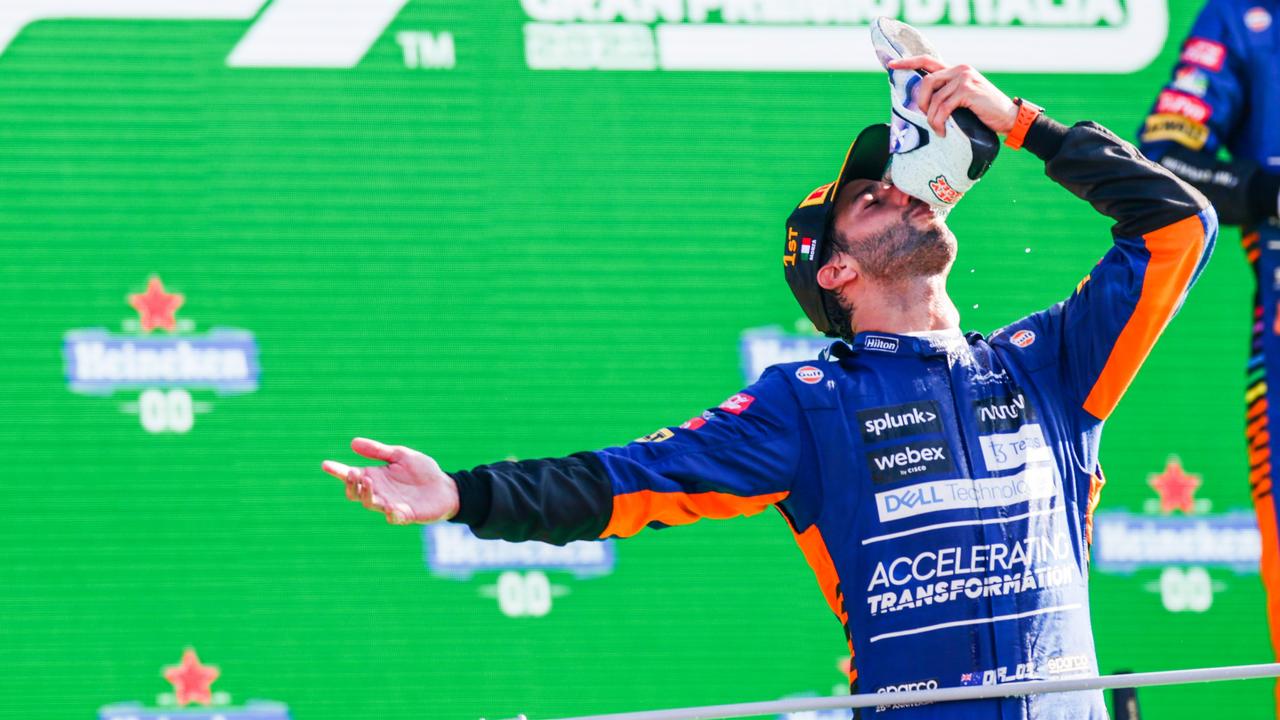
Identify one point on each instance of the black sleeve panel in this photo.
(1045, 137)
(557, 500)
(1113, 177)
(1240, 191)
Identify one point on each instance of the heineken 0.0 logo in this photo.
(161, 357)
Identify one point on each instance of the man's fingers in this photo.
(931, 85)
(949, 106)
(335, 469)
(373, 501)
(941, 107)
(373, 449)
(399, 514)
(924, 92)
(917, 62)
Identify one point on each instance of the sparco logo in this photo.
(899, 421)
(910, 460)
(930, 684)
(908, 687)
(881, 344)
(289, 33)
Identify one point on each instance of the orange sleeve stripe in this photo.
(1270, 563)
(1096, 482)
(633, 511)
(1175, 251)
(819, 558)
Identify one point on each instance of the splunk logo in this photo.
(895, 421)
(288, 33)
(832, 35)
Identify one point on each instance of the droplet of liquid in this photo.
(973, 269)
(975, 306)
(1027, 250)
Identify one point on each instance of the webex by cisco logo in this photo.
(910, 460)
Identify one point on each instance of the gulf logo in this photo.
(809, 374)
(1257, 19)
(1022, 338)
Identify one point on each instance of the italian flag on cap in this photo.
(808, 247)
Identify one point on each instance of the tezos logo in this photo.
(165, 368)
(809, 375)
(943, 190)
(1022, 338)
(192, 681)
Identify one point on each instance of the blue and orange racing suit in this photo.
(940, 485)
(1225, 95)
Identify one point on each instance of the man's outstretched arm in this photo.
(735, 459)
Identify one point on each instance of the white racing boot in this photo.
(934, 168)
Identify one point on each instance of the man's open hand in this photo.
(410, 488)
(948, 87)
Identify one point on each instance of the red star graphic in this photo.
(191, 680)
(1176, 487)
(156, 307)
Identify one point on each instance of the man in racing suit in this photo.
(940, 485)
(1225, 94)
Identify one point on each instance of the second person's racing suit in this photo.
(940, 485)
(1225, 94)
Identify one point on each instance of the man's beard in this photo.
(897, 255)
(906, 252)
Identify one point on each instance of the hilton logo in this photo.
(881, 344)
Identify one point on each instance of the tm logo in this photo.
(288, 33)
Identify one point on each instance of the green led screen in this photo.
(236, 233)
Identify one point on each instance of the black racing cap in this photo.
(809, 226)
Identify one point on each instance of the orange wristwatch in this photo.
(1027, 114)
